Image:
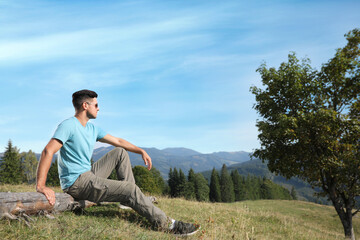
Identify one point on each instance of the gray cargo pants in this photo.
(94, 186)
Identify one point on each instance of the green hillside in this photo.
(262, 219)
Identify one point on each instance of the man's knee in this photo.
(120, 152)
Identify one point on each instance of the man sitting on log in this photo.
(75, 138)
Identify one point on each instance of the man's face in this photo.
(92, 108)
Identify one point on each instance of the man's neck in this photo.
(83, 119)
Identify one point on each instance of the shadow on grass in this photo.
(113, 211)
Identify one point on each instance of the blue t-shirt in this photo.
(78, 144)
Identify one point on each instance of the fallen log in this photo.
(30, 203)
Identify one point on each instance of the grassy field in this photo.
(263, 219)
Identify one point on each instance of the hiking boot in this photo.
(182, 229)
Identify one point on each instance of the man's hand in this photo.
(49, 194)
(147, 160)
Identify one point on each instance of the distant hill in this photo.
(180, 152)
(181, 158)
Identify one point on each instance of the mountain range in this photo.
(181, 158)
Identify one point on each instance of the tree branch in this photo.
(358, 210)
(324, 184)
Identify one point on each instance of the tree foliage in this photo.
(53, 175)
(201, 188)
(11, 170)
(226, 186)
(270, 190)
(144, 180)
(29, 165)
(149, 181)
(190, 192)
(215, 192)
(293, 193)
(311, 124)
(235, 176)
(159, 180)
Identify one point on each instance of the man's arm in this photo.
(43, 168)
(118, 142)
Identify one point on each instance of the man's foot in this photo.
(182, 229)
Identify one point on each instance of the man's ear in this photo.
(84, 106)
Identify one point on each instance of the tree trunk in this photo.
(34, 203)
(348, 225)
(345, 216)
(348, 229)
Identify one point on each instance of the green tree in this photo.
(181, 184)
(29, 165)
(159, 180)
(171, 182)
(293, 193)
(252, 187)
(271, 190)
(311, 124)
(53, 174)
(265, 190)
(144, 180)
(238, 188)
(10, 170)
(190, 185)
(226, 186)
(215, 192)
(201, 188)
(177, 183)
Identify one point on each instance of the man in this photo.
(75, 138)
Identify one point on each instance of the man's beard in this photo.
(90, 116)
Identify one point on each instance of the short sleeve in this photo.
(63, 132)
(100, 134)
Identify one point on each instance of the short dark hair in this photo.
(81, 96)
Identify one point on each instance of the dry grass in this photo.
(263, 219)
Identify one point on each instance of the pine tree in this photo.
(235, 176)
(181, 184)
(201, 188)
(293, 193)
(215, 193)
(29, 165)
(191, 176)
(174, 181)
(53, 175)
(226, 186)
(243, 188)
(266, 192)
(171, 183)
(190, 186)
(248, 188)
(10, 169)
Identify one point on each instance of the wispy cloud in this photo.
(120, 43)
(168, 73)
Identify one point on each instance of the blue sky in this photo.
(168, 73)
